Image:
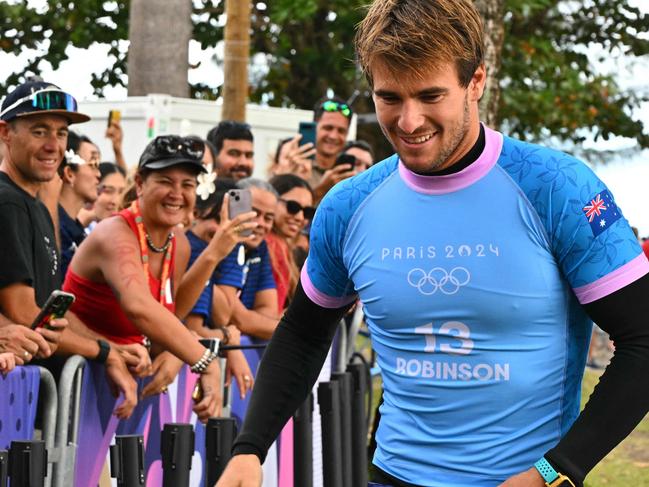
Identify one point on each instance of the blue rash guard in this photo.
(471, 284)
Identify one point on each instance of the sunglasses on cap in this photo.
(334, 106)
(171, 145)
(293, 207)
(46, 99)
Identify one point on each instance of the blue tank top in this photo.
(471, 285)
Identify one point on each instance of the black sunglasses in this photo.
(170, 145)
(293, 207)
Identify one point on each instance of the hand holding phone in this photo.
(240, 201)
(114, 116)
(308, 132)
(345, 159)
(55, 307)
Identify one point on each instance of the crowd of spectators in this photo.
(149, 249)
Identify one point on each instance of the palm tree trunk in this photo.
(493, 13)
(158, 56)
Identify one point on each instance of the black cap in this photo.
(170, 150)
(40, 97)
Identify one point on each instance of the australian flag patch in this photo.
(601, 212)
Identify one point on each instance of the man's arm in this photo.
(262, 320)
(223, 299)
(289, 369)
(621, 399)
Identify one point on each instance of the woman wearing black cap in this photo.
(127, 272)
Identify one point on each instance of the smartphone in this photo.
(240, 202)
(55, 307)
(345, 159)
(307, 129)
(114, 116)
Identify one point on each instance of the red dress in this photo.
(98, 308)
(279, 260)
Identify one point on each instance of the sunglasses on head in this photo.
(170, 145)
(46, 99)
(293, 207)
(334, 106)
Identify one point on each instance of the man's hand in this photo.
(332, 177)
(137, 358)
(165, 369)
(24, 343)
(212, 401)
(52, 334)
(529, 478)
(242, 471)
(116, 136)
(120, 380)
(295, 159)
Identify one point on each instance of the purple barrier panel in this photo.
(18, 398)
(98, 427)
(284, 470)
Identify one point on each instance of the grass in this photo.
(626, 465)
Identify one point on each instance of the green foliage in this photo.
(48, 31)
(549, 87)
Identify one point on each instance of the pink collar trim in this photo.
(455, 182)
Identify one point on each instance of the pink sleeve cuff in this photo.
(319, 297)
(628, 273)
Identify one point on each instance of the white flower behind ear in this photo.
(206, 184)
(73, 158)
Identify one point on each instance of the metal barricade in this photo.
(47, 391)
(67, 431)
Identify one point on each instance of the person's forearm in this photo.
(119, 159)
(288, 370)
(73, 343)
(193, 281)
(253, 323)
(162, 327)
(621, 399)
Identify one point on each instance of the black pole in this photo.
(4, 467)
(303, 444)
(27, 463)
(329, 401)
(219, 436)
(127, 460)
(359, 424)
(176, 449)
(345, 381)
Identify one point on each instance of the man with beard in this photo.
(234, 150)
(480, 261)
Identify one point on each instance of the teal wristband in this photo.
(546, 470)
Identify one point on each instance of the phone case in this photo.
(55, 307)
(307, 129)
(240, 202)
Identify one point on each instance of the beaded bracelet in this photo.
(202, 364)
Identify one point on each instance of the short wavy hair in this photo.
(413, 36)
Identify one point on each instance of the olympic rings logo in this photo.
(438, 279)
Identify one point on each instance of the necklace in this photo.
(167, 248)
(158, 250)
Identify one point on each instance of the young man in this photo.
(333, 117)
(479, 260)
(34, 121)
(234, 150)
